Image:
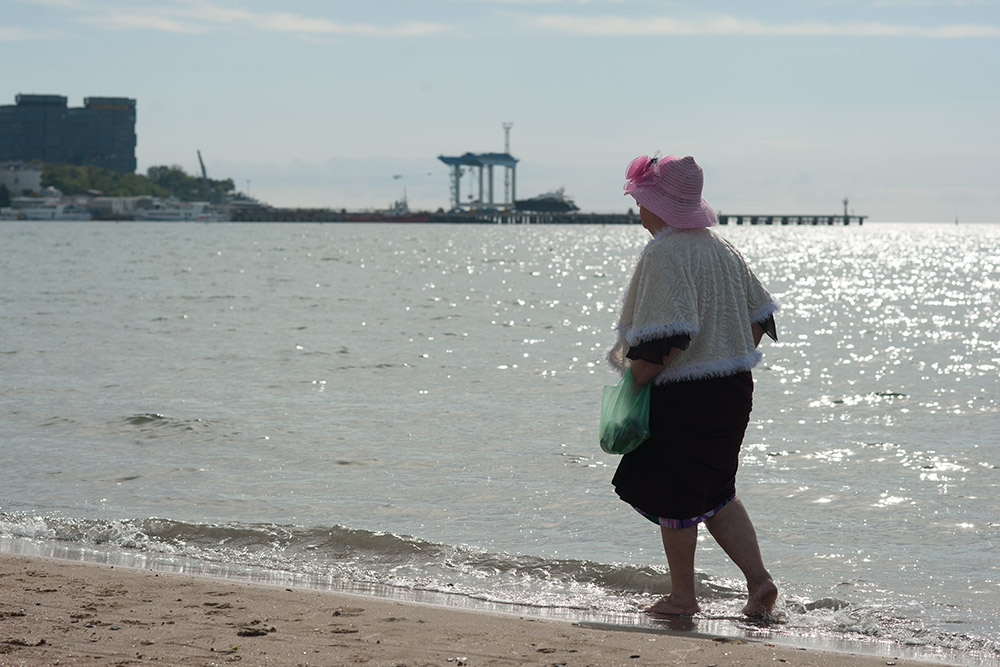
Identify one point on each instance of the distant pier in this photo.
(520, 217)
(535, 218)
(743, 219)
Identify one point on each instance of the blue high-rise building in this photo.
(41, 127)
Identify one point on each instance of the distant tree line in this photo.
(159, 181)
(189, 188)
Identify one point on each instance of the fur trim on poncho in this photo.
(693, 282)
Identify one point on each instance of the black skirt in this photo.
(688, 466)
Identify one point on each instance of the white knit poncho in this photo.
(693, 282)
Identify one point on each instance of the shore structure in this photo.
(484, 164)
(55, 207)
(42, 127)
(66, 612)
(102, 133)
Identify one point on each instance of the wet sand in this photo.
(59, 612)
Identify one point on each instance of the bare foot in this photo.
(761, 600)
(665, 606)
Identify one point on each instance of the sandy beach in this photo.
(57, 612)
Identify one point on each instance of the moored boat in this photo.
(51, 211)
(399, 212)
(174, 211)
(548, 202)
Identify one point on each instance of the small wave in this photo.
(156, 425)
(58, 421)
(837, 619)
(887, 624)
(832, 604)
(139, 420)
(366, 557)
(353, 559)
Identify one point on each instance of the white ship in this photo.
(175, 211)
(30, 208)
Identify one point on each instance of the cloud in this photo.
(930, 3)
(72, 4)
(146, 21)
(531, 2)
(15, 34)
(613, 26)
(284, 22)
(189, 17)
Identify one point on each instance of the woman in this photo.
(691, 320)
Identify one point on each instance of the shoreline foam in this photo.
(62, 612)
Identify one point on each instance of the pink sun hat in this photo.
(670, 187)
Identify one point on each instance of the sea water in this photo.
(412, 410)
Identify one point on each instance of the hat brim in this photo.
(676, 212)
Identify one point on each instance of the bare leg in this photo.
(732, 529)
(679, 545)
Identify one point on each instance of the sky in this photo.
(789, 106)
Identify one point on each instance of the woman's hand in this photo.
(644, 371)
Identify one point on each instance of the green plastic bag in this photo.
(624, 416)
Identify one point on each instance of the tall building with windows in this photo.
(41, 127)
